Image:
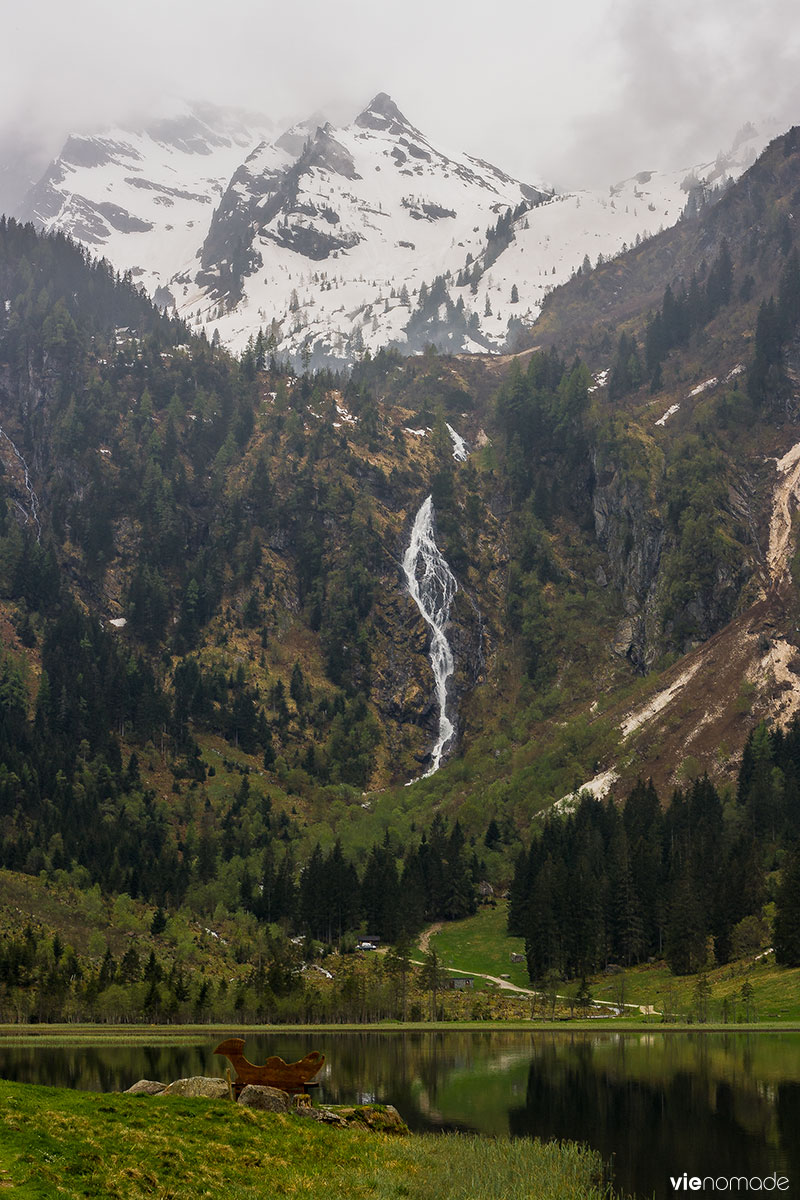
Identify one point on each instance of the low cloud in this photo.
(577, 94)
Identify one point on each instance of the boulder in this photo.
(198, 1085)
(325, 1115)
(145, 1087)
(269, 1099)
(382, 1118)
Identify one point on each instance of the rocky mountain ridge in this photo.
(334, 241)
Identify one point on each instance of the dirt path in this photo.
(505, 985)
(426, 935)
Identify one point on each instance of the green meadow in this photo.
(55, 1142)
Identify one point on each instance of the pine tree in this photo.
(432, 978)
(787, 915)
(158, 923)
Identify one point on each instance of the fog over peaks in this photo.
(579, 95)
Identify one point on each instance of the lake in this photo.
(654, 1104)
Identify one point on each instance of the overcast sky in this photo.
(571, 93)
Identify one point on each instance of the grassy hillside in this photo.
(481, 943)
(772, 993)
(79, 1144)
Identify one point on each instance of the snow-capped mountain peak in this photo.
(336, 240)
(382, 115)
(368, 211)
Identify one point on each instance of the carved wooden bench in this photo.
(289, 1077)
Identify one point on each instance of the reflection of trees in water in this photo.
(394, 1067)
(687, 1123)
(104, 1068)
(788, 1106)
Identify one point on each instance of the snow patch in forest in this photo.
(669, 413)
(598, 788)
(704, 386)
(460, 452)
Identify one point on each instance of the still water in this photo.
(654, 1104)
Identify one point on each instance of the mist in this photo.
(579, 94)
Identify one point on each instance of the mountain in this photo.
(604, 534)
(374, 237)
(333, 248)
(287, 596)
(143, 197)
(339, 240)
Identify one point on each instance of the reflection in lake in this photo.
(656, 1104)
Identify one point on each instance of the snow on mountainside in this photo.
(334, 249)
(373, 237)
(144, 198)
(571, 231)
(337, 240)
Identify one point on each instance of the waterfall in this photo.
(432, 586)
(33, 499)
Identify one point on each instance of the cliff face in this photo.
(632, 534)
(643, 556)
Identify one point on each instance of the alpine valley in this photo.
(381, 533)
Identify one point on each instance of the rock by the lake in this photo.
(198, 1085)
(382, 1118)
(269, 1099)
(325, 1115)
(145, 1087)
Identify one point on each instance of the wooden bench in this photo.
(289, 1077)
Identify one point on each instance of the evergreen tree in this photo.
(787, 913)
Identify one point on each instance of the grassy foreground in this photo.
(56, 1142)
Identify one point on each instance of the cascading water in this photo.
(432, 586)
(33, 499)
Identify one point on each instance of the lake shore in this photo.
(56, 1034)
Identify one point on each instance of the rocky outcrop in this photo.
(145, 1087)
(670, 600)
(380, 1118)
(198, 1085)
(268, 1099)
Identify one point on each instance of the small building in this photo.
(368, 942)
(459, 983)
(485, 889)
(515, 958)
